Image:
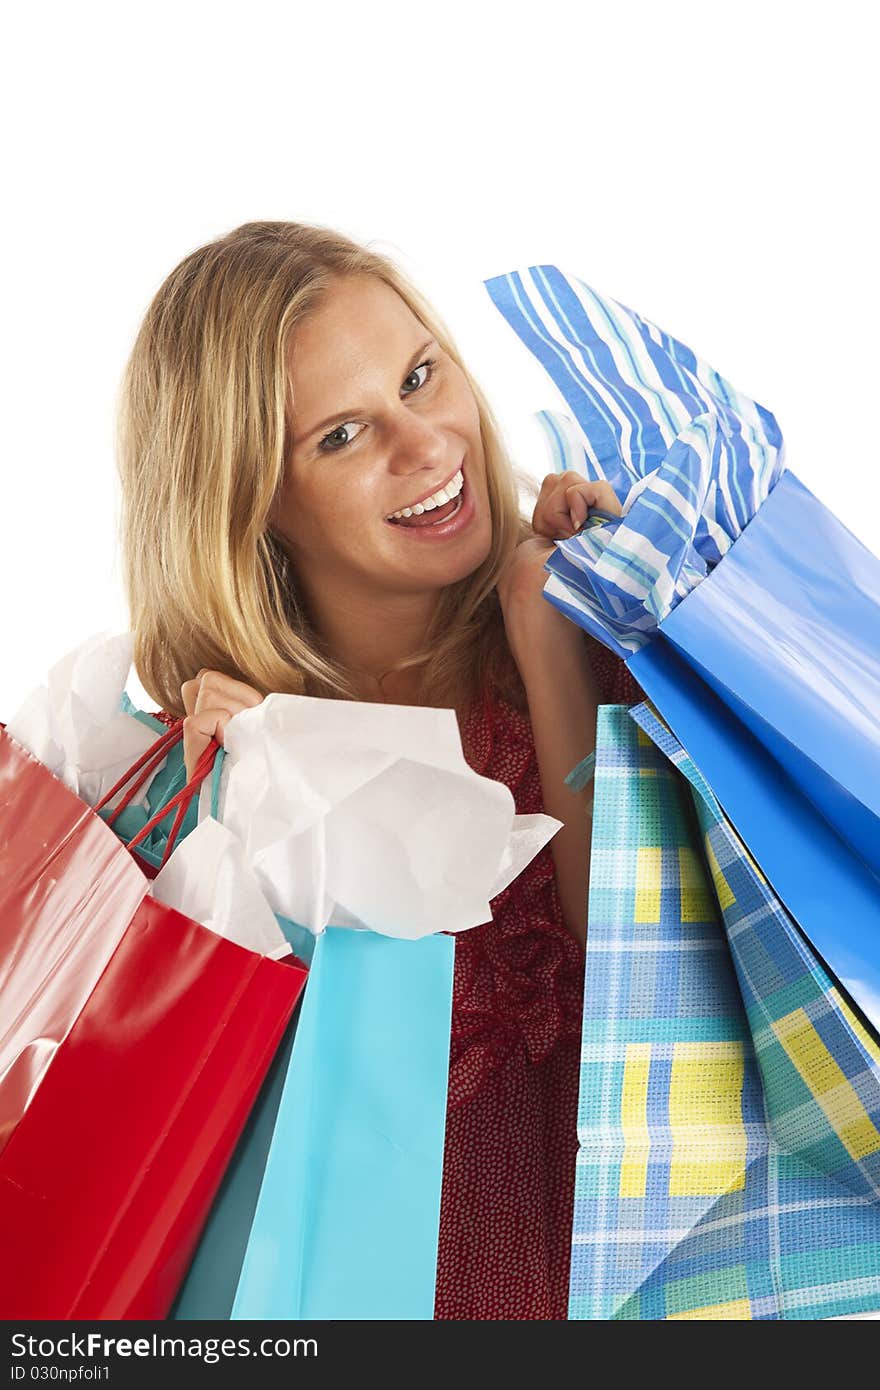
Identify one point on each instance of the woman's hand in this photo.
(210, 700)
(562, 507)
(564, 503)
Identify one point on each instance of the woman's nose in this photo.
(415, 444)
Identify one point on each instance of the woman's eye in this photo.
(334, 448)
(429, 363)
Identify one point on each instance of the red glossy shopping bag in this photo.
(133, 1042)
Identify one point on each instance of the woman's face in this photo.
(382, 419)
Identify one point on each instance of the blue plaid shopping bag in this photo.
(729, 1119)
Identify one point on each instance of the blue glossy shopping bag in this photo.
(826, 886)
(347, 1221)
(744, 608)
(786, 630)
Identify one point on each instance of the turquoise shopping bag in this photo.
(208, 1292)
(347, 1222)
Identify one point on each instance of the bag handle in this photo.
(149, 761)
(146, 765)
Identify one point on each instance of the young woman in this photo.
(316, 500)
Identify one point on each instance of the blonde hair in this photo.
(202, 437)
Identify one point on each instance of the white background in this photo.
(711, 166)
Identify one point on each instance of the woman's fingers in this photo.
(211, 693)
(551, 516)
(578, 505)
(198, 730)
(217, 689)
(605, 498)
(564, 503)
(189, 690)
(213, 687)
(210, 700)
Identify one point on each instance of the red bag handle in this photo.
(146, 765)
(149, 761)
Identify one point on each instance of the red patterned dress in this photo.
(511, 1122)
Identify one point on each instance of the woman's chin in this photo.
(438, 568)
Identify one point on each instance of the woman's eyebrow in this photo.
(354, 409)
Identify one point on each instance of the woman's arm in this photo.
(563, 698)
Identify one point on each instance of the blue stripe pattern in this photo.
(690, 458)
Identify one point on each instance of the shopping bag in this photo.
(786, 630)
(729, 1118)
(348, 1216)
(785, 634)
(134, 1041)
(355, 1154)
(825, 885)
(208, 1289)
(330, 1206)
(356, 1151)
(744, 609)
(690, 457)
(340, 820)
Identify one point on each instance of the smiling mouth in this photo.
(438, 501)
(446, 520)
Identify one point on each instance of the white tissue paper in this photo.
(330, 812)
(367, 815)
(74, 724)
(208, 879)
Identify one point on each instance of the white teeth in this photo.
(437, 499)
